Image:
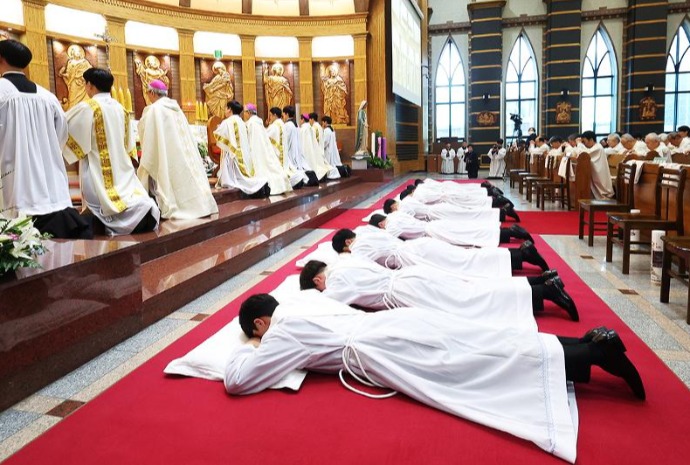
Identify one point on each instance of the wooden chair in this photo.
(556, 184)
(614, 161)
(546, 176)
(521, 165)
(675, 247)
(668, 195)
(624, 202)
(533, 171)
(682, 158)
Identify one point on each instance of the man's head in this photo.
(256, 313)
(249, 111)
(613, 140)
(539, 141)
(531, 131)
(652, 140)
(14, 56)
(404, 194)
(288, 112)
(499, 142)
(303, 118)
(588, 139)
(628, 141)
(555, 142)
(156, 90)
(378, 220)
(274, 114)
(572, 139)
(674, 139)
(326, 121)
(98, 80)
(313, 276)
(235, 107)
(684, 131)
(389, 206)
(447, 145)
(342, 240)
(313, 117)
(418, 181)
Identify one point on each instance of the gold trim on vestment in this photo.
(279, 144)
(104, 154)
(74, 146)
(132, 153)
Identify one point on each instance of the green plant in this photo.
(380, 163)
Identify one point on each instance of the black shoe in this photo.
(618, 364)
(532, 256)
(511, 213)
(518, 232)
(501, 201)
(495, 191)
(548, 274)
(486, 184)
(597, 334)
(556, 294)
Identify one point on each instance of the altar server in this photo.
(100, 138)
(330, 144)
(333, 172)
(33, 129)
(310, 150)
(171, 167)
(278, 137)
(447, 160)
(602, 187)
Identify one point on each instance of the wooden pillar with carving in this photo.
(117, 57)
(248, 68)
(187, 74)
(306, 76)
(35, 38)
(360, 90)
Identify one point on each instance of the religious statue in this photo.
(276, 87)
(149, 71)
(486, 118)
(362, 130)
(563, 112)
(647, 108)
(219, 91)
(334, 94)
(73, 75)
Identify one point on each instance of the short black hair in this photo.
(418, 181)
(388, 205)
(15, 53)
(588, 135)
(338, 241)
(541, 139)
(254, 307)
(555, 139)
(404, 194)
(276, 111)
(314, 116)
(573, 136)
(683, 128)
(101, 78)
(289, 110)
(235, 107)
(327, 120)
(376, 219)
(309, 272)
(499, 141)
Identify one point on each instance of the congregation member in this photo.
(171, 166)
(376, 245)
(633, 146)
(614, 145)
(236, 166)
(497, 154)
(278, 137)
(100, 138)
(294, 147)
(601, 185)
(320, 147)
(461, 154)
(33, 129)
(472, 163)
(330, 144)
(556, 151)
(447, 159)
(684, 133)
(505, 377)
(265, 162)
(537, 147)
(654, 143)
(310, 150)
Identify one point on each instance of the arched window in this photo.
(678, 80)
(450, 93)
(521, 87)
(598, 108)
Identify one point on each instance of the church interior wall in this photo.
(589, 5)
(517, 8)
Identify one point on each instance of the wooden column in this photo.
(306, 76)
(248, 68)
(380, 106)
(562, 64)
(117, 51)
(486, 53)
(187, 74)
(360, 62)
(644, 64)
(35, 38)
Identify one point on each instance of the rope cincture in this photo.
(365, 379)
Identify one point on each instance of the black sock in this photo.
(504, 236)
(538, 294)
(515, 259)
(578, 360)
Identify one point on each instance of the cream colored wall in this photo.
(515, 8)
(596, 4)
(448, 10)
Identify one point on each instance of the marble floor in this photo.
(634, 298)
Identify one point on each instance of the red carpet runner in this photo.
(148, 418)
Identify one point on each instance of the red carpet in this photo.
(148, 418)
(560, 223)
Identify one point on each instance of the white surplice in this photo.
(330, 147)
(462, 168)
(278, 137)
(33, 129)
(498, 163)
(101, 139)
(443, 211)
(467, 233)
(294, 148)
(265, 161)
(236, 167)
(430, 193)
(333, 172)
(377, 245)
(447, 164)
(534, 151)
(602, 187)
(310, 150)
(616, 150)
(508, 378)
(170, 163)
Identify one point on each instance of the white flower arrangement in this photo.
(20, 243)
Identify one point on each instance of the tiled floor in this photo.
(634, 298)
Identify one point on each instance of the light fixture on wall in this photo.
(564, 93)
(486, 97)
(649, 88)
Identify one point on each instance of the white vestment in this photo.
(602, 187)
(330, 147)
(236, 167)
(640, 148)
(469, 233)
(278, 138)
(294, 148)
(310, 149)
(664, 152)
(447, 164)
(333, 172)
(684, 146)
(617, 150)
(170, 163)
(462, 168)
(498, 163)
(33, 129)
(554, 154)
(446, 211)
(463, 197)
(101, 139)
(507, 378)
(537, 150)
(569, 152)
(265, 161)
(377, 245)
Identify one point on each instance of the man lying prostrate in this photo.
(509, 378)
(374, 244)
(440, 211)
(470, 233)
(367, 284)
